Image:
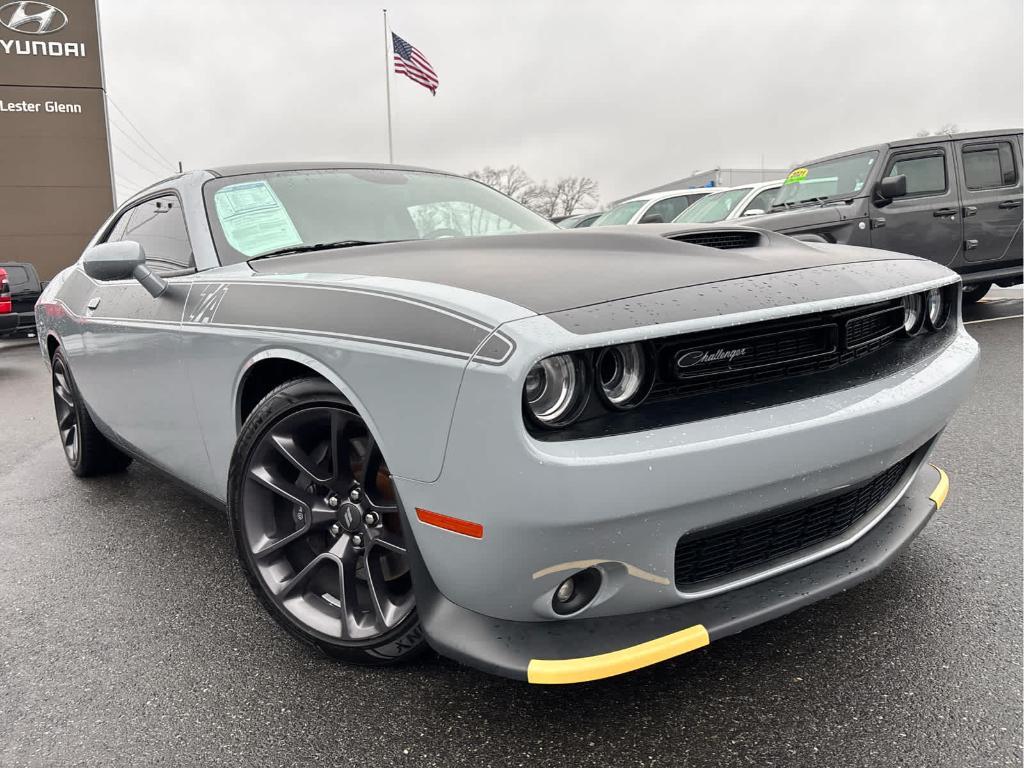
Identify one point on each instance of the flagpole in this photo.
(387, 84)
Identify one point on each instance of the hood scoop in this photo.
(725, 239)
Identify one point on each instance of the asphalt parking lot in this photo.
(128, 637)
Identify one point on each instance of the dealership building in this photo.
(55, 171)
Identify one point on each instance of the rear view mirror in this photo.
(652, 218)
(891, 187)
(123, 260)
(753, 212)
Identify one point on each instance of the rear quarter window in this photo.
(987, 166)
(17, 277)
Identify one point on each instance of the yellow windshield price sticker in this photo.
(796, 176)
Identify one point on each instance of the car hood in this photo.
(550, 272)
(784, 220)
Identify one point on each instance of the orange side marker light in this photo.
(454, 524)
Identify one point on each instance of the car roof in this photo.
(772, 183)
(673, 193)
(323, 165)
(913, 142)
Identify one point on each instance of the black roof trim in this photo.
(912, 142)
(324, 165)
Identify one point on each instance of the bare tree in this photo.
(511, 181)
(575, 192)
(562, 198)
(947, 128)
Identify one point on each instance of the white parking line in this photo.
(992, 319)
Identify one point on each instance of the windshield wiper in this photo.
(800, 203)
(309, 247)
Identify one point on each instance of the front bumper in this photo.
(548, 509)
(590, 649)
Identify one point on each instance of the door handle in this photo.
(878, 223)
(938, 212)
(1010, 204)
(93, 302)
(970, 210)
(970, 245)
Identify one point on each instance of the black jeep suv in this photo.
(951, 198)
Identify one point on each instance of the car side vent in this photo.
(727, 239)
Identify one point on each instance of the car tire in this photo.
(975, 292)
(301, 450)
(87, 451)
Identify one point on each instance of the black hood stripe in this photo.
(344, 312)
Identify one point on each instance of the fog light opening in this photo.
(576, 592)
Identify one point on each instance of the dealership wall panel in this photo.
(55, 172)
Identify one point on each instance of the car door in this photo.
(926, 221)
(130, 371)
(991, 194)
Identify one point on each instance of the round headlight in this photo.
(621, 373)
(913, 314)
(937, 309)
(555, 390)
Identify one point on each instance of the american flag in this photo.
(413, 64)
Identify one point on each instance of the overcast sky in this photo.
(632, 94)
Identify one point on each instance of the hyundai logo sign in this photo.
(32, 18)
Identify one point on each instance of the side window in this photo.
(159, 227)
(117, 231)
(762, 201)
(676, 206)
(925, 172)
(989, 165)
(664, 211)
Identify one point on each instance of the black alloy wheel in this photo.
(66, 409)
(318, 528)
(87, 451)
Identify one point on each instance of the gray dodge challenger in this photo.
(434, 418)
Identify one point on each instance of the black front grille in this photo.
(727, 239)
(773, 350)
(877, 325)
(718, 552)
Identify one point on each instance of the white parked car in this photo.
(732, 203)
(657, 208)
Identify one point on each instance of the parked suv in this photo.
(19, 290)
(952, 198)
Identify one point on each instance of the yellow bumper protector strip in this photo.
(559, 671)
(941, 490)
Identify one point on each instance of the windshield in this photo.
(841, 177)
(259, 213)
(713, 207)
(620, 214)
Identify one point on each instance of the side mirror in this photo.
(652, 218)
(753, 212)
(122, 261)
(891, 187)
